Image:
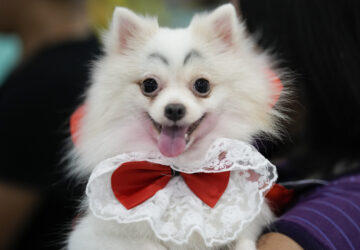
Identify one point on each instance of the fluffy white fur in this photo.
(117, 113)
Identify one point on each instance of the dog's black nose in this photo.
(175, 111)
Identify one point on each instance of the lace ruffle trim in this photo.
(174, 212)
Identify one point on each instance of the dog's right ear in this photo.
(128, 31)
(220, 26)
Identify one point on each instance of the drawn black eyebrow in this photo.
(160, 57)
(191, 54)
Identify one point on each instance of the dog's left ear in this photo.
(128, 31)
(220, 26)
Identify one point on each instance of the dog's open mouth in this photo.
(173, 139)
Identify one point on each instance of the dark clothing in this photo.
(327, 217)
(319, 42)
(35, 105)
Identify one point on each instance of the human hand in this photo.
(277, 241)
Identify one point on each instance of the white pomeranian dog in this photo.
(172, 91)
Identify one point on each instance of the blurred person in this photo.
(36, 99)
(320, 42)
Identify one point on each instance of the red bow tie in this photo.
(135, 182)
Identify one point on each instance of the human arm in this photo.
(278, 241)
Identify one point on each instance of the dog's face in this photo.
(175, 90)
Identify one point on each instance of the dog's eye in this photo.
(149, 86)
(201, 87)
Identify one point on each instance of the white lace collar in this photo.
(174, 212)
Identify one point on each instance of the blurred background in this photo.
(46, 49)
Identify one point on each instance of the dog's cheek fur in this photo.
(116, 114)
(110, 102)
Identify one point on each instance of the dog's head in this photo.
(176, 90)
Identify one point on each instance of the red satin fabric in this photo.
(276, 84)
(209, 187)
(75, 122)
(135, 182)
(279, 197)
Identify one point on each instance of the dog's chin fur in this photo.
(117, 113)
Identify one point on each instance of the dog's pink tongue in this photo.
(172, 141)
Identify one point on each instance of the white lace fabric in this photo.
(174, 212)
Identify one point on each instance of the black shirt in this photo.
(36, 102)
